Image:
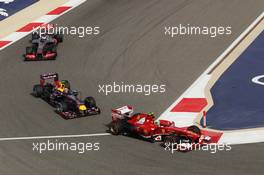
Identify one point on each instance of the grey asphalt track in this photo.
(131, 48)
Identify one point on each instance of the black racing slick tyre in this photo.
(37, 90)
(99, 110)
(34, 48)
(34, 36)
(183, 139)
(177, 142)
(59, 38)
(61, 107)
(170, 140)
(29, 50)
(115, 128)
(194, 129)
(90, 102)
(53, 48)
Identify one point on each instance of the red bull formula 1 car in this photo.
(144, 126)
(43, 46)
(66, 101)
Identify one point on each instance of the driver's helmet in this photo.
(61, 86)
(43, 38)
(63, 82)
(65, 86)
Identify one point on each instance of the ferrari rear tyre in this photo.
(116, 128)
(170, 140)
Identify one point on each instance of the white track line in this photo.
(54, 137)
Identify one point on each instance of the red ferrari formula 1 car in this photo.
(144, 126)
(67, 101)
(43, 46)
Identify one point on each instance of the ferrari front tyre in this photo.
(194, 129)
(37, 90)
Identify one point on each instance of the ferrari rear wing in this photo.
(120, 113)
